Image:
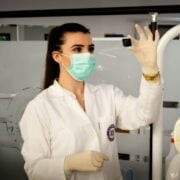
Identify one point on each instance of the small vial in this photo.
(153, 26)
(126, 42)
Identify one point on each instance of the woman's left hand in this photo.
(145, 49)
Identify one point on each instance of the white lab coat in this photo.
(54, 125)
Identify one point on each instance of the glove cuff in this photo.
(151, 77)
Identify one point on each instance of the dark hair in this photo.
(55, 40)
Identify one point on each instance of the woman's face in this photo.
(74, 43)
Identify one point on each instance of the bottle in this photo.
(177, 135)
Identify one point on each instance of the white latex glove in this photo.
(85, 161)
(145, 49)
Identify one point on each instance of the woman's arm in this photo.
(135, 112)
(132, 112)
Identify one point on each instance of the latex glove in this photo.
(85, 161)
(145, 49)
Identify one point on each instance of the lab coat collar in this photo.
(56, 90)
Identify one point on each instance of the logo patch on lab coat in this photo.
(111, 132)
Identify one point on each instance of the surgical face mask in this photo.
(82, 66)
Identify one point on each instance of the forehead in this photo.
(71, 38)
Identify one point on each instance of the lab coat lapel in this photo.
(90, 104)
(66, 105)
(62, 99)
(89, 98)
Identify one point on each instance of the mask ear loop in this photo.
(67, 57)
(61, 64)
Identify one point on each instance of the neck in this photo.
(76, 87)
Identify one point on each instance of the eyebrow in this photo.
(80, 45)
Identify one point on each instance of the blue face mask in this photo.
(82, 66)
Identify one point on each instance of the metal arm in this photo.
(158, 126)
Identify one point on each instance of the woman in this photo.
(68, 129)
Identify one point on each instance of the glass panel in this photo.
(22, 65)
(22, 69)
(116, 65)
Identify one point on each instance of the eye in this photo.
(77, 50)
(91, 49)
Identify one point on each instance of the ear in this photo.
(56, 56)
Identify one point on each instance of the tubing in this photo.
(158, 126)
